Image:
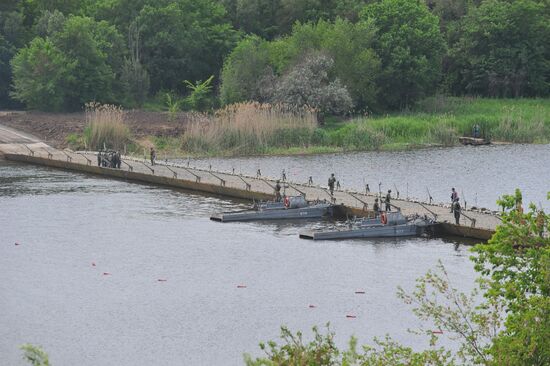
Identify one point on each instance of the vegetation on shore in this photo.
(253, 128)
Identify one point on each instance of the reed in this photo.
(246, 128)
(105, 127)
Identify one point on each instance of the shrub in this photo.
(105, 127)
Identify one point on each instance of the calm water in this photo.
(52, 295)
(480, 174)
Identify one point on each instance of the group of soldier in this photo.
(109, 159)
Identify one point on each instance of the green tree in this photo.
(410, 47)
(350, 45)
(184, 40)
(503, 50)
(42, 75)
(199, 98)
(7, 51)
(516, 263)
(135, 79)
(35, 355)
(97, 49)
(244, 70)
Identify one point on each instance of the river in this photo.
(115, 273)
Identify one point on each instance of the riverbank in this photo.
(434, 122)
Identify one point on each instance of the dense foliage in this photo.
(385, 54)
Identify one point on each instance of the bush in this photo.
(105, 127)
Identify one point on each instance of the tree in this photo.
(410, 47)
(499, 53)
(7, 51)
(308, 84)
(199, 98)
(244, 70)
(49, 23)
(135, 79)
(42, 75)
(97, 49)
(350, 45)
(516, 263)
(184, 40)
(35, 355)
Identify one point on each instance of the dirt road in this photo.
(54, 128)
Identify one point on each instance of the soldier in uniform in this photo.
(457, 209)
(99, 158)
(331, 182)
(376, 207)
(278, 191)
(118, 159)
(387, 201)
(454, 196)
(153, 155)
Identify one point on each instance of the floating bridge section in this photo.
(17, 147)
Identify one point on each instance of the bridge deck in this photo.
(25, 149)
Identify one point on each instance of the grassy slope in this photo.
(439, 121)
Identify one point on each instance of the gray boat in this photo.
(290, 208)
(386, 226)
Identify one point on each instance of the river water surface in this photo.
(83, 281)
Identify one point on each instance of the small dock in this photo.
(17, 147)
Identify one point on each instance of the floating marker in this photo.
(106, 274)
(351, 316)
(362, 292)
(93, 264)
(162, 280)
(241, 286)
(312, 306)
(16, 243)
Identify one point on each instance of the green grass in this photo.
(440, 121)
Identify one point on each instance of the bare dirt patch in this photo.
(54, 128)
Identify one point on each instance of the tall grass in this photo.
(105, 127)
(441, 120)
(246, 128)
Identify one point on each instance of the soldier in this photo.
(457, 209)
(454, 197)
(387, 201)
(153, 155)
(367, 189)
(99, 159)
(376, 207)
(118, 159)
(331, 182)
(277, 192)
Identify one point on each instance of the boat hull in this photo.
(309, 212)
(371, 231)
